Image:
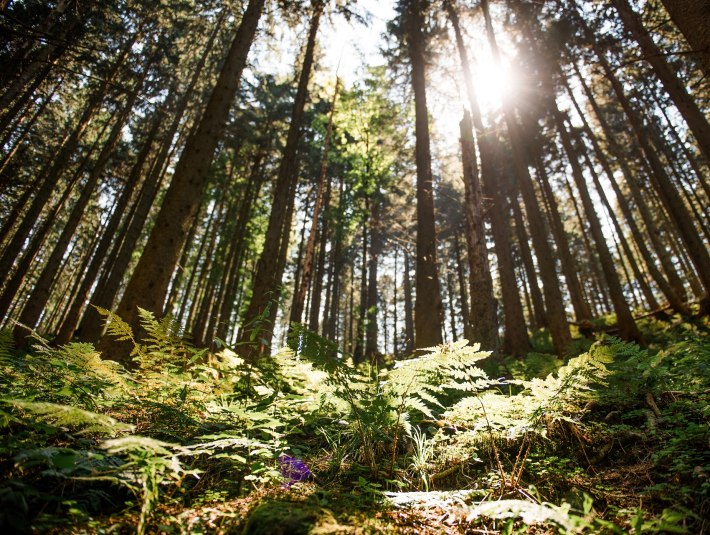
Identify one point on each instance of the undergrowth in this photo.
(612, 440)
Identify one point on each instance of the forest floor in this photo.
(613, 440)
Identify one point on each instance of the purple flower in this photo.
(293, 470)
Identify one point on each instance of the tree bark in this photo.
(149, 284)
(428, 314)
(697, 122)
(483, 314)
(627, 326)
(554, 305)
(259, 317)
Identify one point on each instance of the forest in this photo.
(339, 266)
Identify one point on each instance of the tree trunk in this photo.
(257, 333)
(515, 339)
(373, 300)
(149, 284)
(691, 17)
(570, 269)
(71, 318)
(428, 314)
(675, 300)
(463, 291)
(309, 253)
(667, 191)
(51, 178)
(408, 306)
(41, 291)
(696, 120)
(526, 256)
(627, 326)
(554, 305)
(483, 314)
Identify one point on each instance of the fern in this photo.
(7, 345)
(115, 326)
(71, 417)
(528, 512)
(446, 367)
(150, 462)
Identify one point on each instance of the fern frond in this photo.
(73, 417)
(7, 345)
(115, 326)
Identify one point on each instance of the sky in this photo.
(352, 45)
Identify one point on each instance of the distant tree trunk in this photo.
(332, 308)
(359, 348)
(261, 311)
(526, 257)
(668, 192)
(41, 291)
(395, 305)
(463, 291)
(317, 290)
(676, 287)
(515, 338)
(104, 295)
(373, 298)
(309, 253)
(51, 176)
(148, 285)
(624, 245)
(234, 266)
(627, 326)
(450, 294)
(569, 265)
(696, 120)
(408, 306)
(484, 316)
(675, 301)
(428, 314)
(71, 319)
(554, 304)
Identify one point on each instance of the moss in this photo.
(283, 518)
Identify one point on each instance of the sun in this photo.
(493, 83)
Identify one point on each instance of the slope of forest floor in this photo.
(614, 439)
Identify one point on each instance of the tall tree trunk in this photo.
(463, 291)
(691, 17)
(570, 269)
(696, 120)
(359, 349)
(309, 253)
(554, 304)
(674, 299)
(515, 339)
(428, 314)
(257, 333)
(677, 287)
(50, 180)
(317, 286)
(671, 199)
(41, 291)
(149, 284)
(71, 318)
(627, 326)
(373, 300)
(408, 306)
(538, 304)
(484, 316)
(254, 183)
